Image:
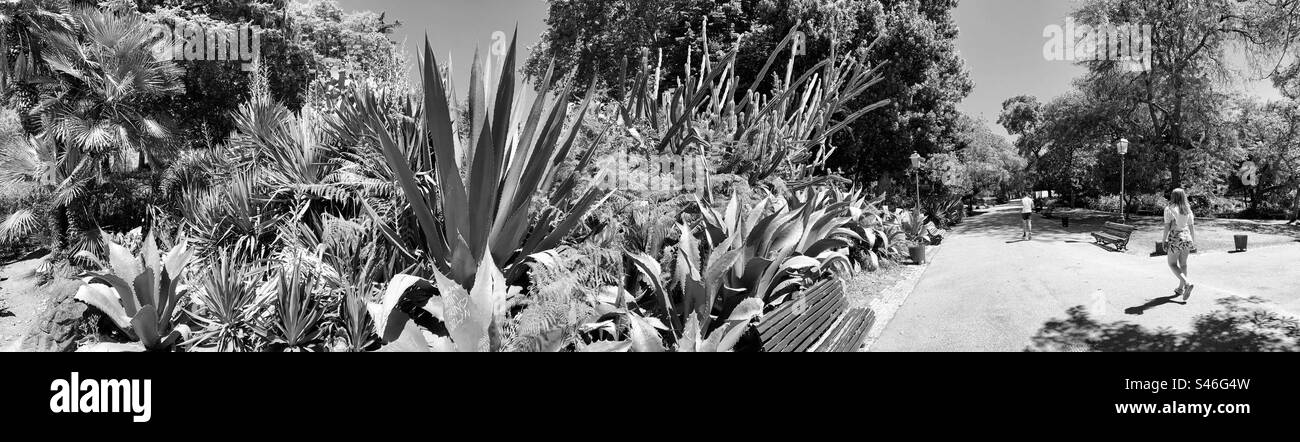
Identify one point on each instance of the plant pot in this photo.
(1239, 241)
(1160, 247)
(917, 253)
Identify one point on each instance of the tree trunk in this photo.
(59, 228)
(1175, 168)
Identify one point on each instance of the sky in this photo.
(459, 27)
(1000, 40)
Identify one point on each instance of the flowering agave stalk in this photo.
(140, 293)
(758, 133)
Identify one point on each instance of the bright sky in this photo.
(459, 26)
(1001, 41)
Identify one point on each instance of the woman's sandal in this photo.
(1188, 293)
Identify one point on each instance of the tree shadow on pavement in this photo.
(1241, 324)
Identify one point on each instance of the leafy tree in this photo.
(1020, 114)
(1268, 133)
(979, 162)
(1174, 107)
(215, 88)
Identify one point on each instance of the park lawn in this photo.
(1212, 234)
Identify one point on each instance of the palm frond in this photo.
(20, 225)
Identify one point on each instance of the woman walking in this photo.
(1180, 239)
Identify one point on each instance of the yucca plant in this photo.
(357, 325)
(229, 309)
(145, 307)
(299, 312)
(487, 207)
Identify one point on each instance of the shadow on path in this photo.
(1240, 324)
(1153, 304)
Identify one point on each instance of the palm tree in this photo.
(111, 82)
(103, 116)
(21, 23)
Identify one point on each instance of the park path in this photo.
(988, 290)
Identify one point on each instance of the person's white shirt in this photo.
(1026, 205)
(1180, 220)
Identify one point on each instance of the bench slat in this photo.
(819, 326)
(794, 323)
(783, 316)
(844, 323)
(860, 332)
(790, 318)
(790, 336)
(843, 327)
(777, 317)
(826, 324)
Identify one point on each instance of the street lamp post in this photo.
(916, 172)
(1122, 147)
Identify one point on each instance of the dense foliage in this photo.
(318, 200)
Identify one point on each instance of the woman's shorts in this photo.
(1180, 241)
(1024, 216)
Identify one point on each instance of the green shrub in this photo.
(1147, 203)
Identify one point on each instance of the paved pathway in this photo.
(987, 290)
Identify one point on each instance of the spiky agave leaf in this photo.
(489, 212)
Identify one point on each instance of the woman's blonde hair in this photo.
(1179, 198)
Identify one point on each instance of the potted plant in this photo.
(918, 234)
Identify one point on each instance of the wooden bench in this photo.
(816, 320)
(1115, 234)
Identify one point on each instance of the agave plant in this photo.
(916, 226)
(758, 133)
(145, 307)
(945, 211)
(728, 257)
(472, 316)
(485, 209)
